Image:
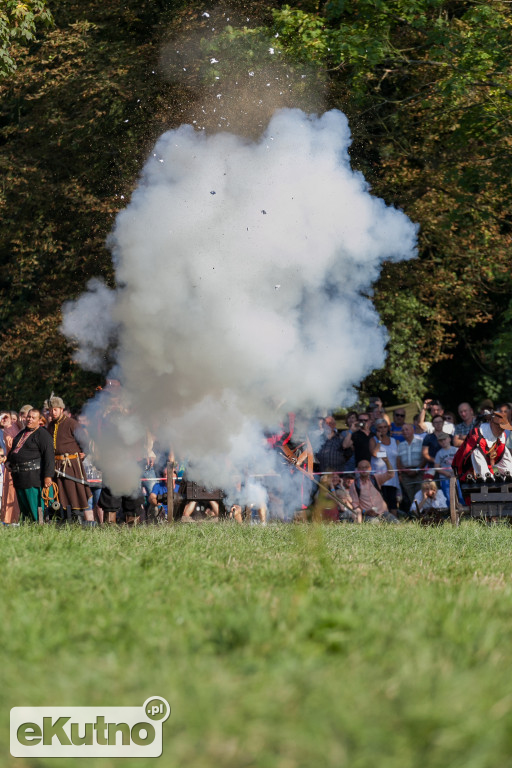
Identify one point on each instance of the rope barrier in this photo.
(421, 470)
(353, 471)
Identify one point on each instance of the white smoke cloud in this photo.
(88, 323)
(241, 265)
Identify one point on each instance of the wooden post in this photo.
(170, 491)
(453, 501)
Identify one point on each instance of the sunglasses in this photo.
(400, 414)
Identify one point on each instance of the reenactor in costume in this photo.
(70, 474)
(484, 450)
(32, 465)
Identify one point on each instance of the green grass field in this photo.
(280, 647)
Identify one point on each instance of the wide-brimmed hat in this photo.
(503, 419)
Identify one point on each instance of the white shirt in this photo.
(438, 502)
(478, 460)
(448, 427)
(490, 437)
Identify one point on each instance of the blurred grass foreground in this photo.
(280, 647)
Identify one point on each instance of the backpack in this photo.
(357, 484)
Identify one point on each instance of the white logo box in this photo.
(140, 728)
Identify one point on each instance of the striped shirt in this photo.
(410, 454)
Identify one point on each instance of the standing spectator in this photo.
(383, 442)
(418, 431)
(2, 467)
(348, 453)
(330, 454)
(443, 462)
(32, 465)
(376, 403)
(358, 439)
(506, 410)
(65, 433)
(436, 409)
(92, 473)
(4, 419)
(431, 443)
(376, 412)
(397, 424)
(10, 506)
(316, 433)
(22, 416)
(467, 416)
(409, 461)
(3, 453)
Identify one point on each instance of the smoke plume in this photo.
(242, 268)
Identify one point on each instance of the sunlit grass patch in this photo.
(279, 646)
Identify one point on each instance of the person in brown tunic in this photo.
(65, 433)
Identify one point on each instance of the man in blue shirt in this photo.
(397, 424)
(156, 509)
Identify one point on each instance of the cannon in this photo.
(190, 491)
(486, 501)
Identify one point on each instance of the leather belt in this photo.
(26, 466)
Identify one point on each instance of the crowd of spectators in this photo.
(409, 462)
(378, 466)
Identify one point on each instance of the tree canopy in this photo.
(18, 23)
(427, 87)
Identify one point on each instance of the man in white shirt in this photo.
(436, 409)
(409, 460)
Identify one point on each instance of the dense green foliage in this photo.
(77, 119)
(427, 86)
(18, 22)
(288, 646)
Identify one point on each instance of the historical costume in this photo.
(10, 506)
(65, 433)
(31, 461)
(483, 449)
